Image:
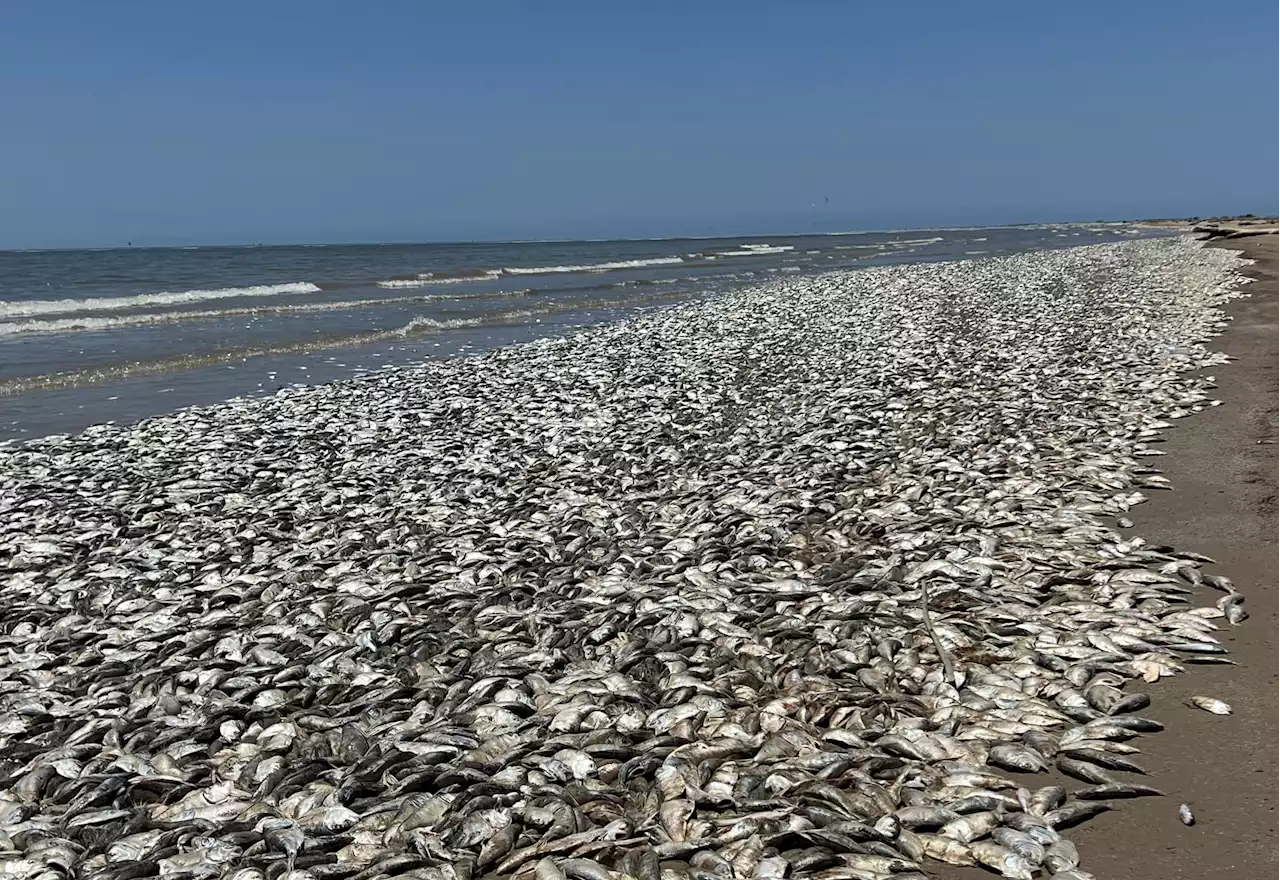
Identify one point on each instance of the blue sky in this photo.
(164, 122)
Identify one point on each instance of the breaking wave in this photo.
(593, 267)
(426, 279)
(419, 326)
(90, 322)
(756, 250)
(143, 300)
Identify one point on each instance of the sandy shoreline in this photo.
(708, 531)
(1222, 464)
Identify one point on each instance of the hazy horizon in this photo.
(780, 233)
(173, 125)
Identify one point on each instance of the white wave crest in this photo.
(110, 322)
(592, 267)
(417, 325)
(426, 279)
(757, 250)
(142, 300)
(410, 282)
(65, 325)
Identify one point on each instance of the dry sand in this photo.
(1222, 463)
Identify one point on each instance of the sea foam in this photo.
(593, 267)
(109, 322)
(756, 250)
(426, 279)
(144, 300)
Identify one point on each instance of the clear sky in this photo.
(280, 121)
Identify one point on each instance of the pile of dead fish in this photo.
(823, 578)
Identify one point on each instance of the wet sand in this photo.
(1222, 464)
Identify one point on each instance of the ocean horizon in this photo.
(495, 239)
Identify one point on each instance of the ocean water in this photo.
(93, 336)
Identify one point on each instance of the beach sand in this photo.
(1222, 464)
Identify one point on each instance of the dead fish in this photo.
(203, 862)
(1044, 799)
(1210, 704)
(1074, 813)
(499, 845)
(946, 849)
(1061, 855)
(1104, 729)
(584, 869)
(1232, 607)
(716, 594)
(1218, 582)
(1035, 827)
(1012, 757)
(1136, 722)
(768, 868)
(284, 836)
(925, 817)
(1130, 703)
(1115, 790)
(978, 802)
(329, 820)
(879, 864)
(547, 869)
(1020, 843)
(1103, 759)
(1002, 861)
(1044, 744)
(1185, 816)
(1084, 770)
(969, 828)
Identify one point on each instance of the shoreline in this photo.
(132, 367)
(182, 347)
(1222, 466)
(739, 511)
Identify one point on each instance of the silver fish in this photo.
(1210, 704)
